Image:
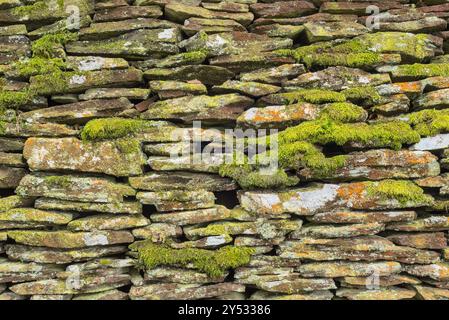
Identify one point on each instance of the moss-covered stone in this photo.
(214, 263)
(408, 72)
(388, 134)
(102, 157)
(429, 122)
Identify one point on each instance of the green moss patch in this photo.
(421, 71)
(316, 96)
(38, 66)
(353, 60)
(400, 190)
(367, 95)
(344, 112)
(215, 263)
(45, 46)
(14, 99)
(430, 122)
(112, 128)
(391, 134)
(252, 176)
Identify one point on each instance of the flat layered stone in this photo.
(84, 285)
(115, 93)
(249, 62)
(430, 223)
(181, 181)
(17, 29)
(266, 229)
(436, 83)
(337, 78)
(390, 293)
(177, 200)
(368, 248)
(31, 215)
(128, 207)
(193, 25)
(106, 30)
(136, 44)
(40, 12)
(323, 31)
(51, 297)
(108, 222)
(208, 164)
(438, 271)
(79, 112)
(6, 4)
(74, 188)
(324, 197)
(358, 8)
(108, 295)
(19, 267)
(170, 291)
(168, 149)
(127, 12)
(11, 159)
(393, 105)
(179, 13)
(158, 232)
(11, 202)
(11, 144)
(182, 276)
(95, 63)
(212, 242)
(348, 269)
(438, 142)
(196, 57)
(10, 296)
(275, 75)
(69, 240)
(429, 293)
(417, 71)
(278, 116)
(193, 217)
(76, 82)
(235, 44)
(283, 9)
(176, 89)
(279, 30)
(226, 6)
(60, 256)
(297, 285)
(315, 295)
(330, 231)
(433, 100)
(10, 177)
(382, 281)
(435, 240)
(216, 108)
(346, 216)
(412, 47)
(76, 155)
(209, 75)
(252, 89)
(25, 130)
(383, 164)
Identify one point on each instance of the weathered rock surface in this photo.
(74, 188)
(323, 197)
(75, 155)
(113, 190)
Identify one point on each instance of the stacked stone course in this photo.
(96, 97)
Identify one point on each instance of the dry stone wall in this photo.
(97, 96)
